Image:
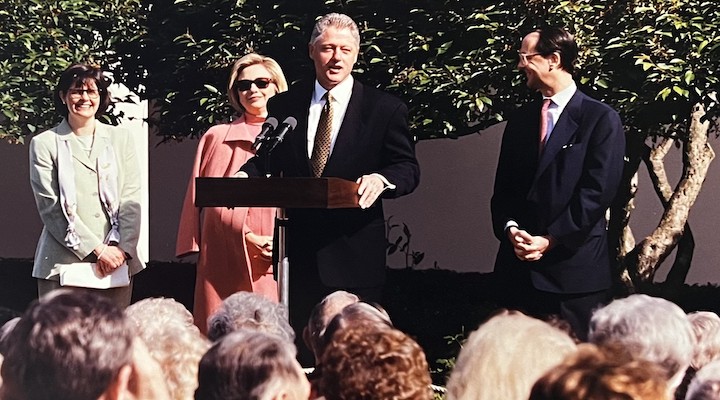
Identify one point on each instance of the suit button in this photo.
(97, 215)
(94, 194)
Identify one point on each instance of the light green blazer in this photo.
(91, 223)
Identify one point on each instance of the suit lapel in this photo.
(300, 134)
(564, 130)
(65, 134)
(102, 141)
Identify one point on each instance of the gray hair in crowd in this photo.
(321, 315)
(706, 327)
(706, 383)
(250, 311)
(650, 328)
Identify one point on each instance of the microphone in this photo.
(287, 126)
(267, 129)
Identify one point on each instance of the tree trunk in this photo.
(683, 258)
(661, 183)
(654, 249)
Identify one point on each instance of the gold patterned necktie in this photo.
(321, 147)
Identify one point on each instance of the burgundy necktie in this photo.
(321, 146)
(543, 123)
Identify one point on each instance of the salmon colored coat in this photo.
(225, 264)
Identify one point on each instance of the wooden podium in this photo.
(281, 193)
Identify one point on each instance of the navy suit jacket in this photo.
(348, 246)
(564, 192)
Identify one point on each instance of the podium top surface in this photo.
(276, 192)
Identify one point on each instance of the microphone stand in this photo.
(280, 259)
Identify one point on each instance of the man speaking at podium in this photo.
(348, 130)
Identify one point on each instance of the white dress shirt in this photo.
(558, 102)
(341, 98)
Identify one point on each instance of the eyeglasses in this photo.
(246, 84)
(78, 93)
(525, 56)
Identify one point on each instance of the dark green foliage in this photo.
(452, 61)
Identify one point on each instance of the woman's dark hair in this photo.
(74, 77)
(553, 39)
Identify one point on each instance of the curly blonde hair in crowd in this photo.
(167, 329)
(504, 357)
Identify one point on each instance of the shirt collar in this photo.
(562, 98)
(341, 93)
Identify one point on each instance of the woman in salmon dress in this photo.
(234, 244)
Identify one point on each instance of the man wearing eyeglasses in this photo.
(348, 130)
(560, 164)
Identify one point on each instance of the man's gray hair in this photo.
(250, 311)
(706, 383)
(650, 328)
(337, 21)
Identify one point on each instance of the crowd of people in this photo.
(74, 344)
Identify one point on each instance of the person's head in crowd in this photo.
(167, 329)
(706, 327)
(602, 374)
(360, 313)
(79, 85)
(370, 361)
(321, 316)
(249, 364)
(504, 357)
(649, 328)
(334, 47)
(250, 311)
(706, 383)
(72, 345)
(255, 79)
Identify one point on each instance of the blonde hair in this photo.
(706, 327)
(504, 357)
(167, 329)
(247, 60)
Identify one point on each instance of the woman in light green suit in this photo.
(86, 181)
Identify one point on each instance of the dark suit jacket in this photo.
(347, 245)
(564, 192)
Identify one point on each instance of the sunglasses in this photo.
(246, 84)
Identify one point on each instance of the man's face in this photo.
(334, 54)
(531, 63)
